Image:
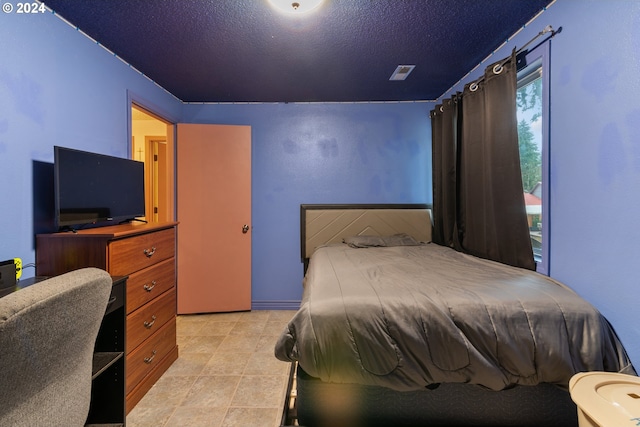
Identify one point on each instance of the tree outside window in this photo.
(529, 105)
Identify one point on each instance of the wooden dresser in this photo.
(146, 254)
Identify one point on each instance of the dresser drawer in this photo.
(145, 285)
(144, 358)
(145, 321)
(129, 255)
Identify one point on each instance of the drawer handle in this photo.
(148, 360)
(112, 299)
(148, 325)
(149, 252)
(150, 287)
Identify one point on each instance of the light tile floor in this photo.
(226, 374)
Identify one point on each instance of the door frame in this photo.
(138, 102)
(154, 176)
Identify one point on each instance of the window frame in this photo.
(541, 53)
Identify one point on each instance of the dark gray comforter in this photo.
(410, 316)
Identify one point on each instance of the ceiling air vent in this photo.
(402, 72)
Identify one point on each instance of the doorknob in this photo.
(245, 228)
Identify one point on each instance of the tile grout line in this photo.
(263, 338)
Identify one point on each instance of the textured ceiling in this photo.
(345, 51)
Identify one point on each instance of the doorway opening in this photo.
(152, 143)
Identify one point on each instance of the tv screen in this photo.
(95, 189)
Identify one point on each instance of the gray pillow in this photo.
(401, 239)
(364, 241)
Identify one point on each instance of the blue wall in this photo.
(595, 154)
(58, 87)
(321, 153)
(595, 169)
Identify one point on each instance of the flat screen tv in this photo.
(95, 189)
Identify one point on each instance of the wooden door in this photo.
(155, 180)
(213, 208)
(160, 204)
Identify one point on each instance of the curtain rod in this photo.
(497, 69)
(547, 29)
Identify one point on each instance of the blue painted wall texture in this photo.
(59, 88)
(321, 153)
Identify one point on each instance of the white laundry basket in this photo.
(606, 399)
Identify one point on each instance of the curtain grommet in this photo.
(473, 87)
(497, 69)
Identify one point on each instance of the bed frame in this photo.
(328, 404)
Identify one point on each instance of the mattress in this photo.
(410, 317)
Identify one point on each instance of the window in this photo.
(532, 102)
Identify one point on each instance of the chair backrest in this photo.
(47, 336)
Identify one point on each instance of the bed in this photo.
(395, 330)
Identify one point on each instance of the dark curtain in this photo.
(443, 135)
(478, 198)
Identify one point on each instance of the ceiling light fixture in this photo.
(295, 7)
(401, 72)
